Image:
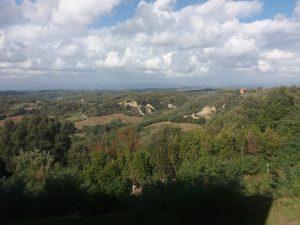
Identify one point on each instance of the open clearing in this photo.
(184, 126)
(11, 118)
(284, 211)
(102, 120)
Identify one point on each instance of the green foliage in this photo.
(61, 192)
(32, 167)
(286, 182)
(104, 174)
(285, 168)
(164, 151)
(289, 125)
(226, 142)
(78, 154)
(140, 168)
(264, 112)
(270, 143)
(208, 170)
(258, 185)
(36, 132)
(195, 144)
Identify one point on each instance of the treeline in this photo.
(74, 104)
(48, 169)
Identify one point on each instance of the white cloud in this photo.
(59, 64)
(164, 5)
(203, 39)
(239, 46)
(2, 39)
(283, 62)
(68, 50)
(222, 10)
(38, 11)
(152, 64)
(242, 8)
(93, 44)
(78, 12)
(112, 59)
(277, 54)
(24, 33)
(264, 66)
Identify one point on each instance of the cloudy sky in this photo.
(63, 44)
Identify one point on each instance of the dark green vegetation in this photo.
(229, 170)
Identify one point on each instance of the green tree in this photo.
(226, 142)
(194, 144)
(6, 142)
(78, 155)
(140, 168)
(32, 167)
(270, 143)
(36, 132)
(104, 174)
(163, 146)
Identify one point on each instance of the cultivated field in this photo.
(102, 120)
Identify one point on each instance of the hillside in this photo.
(195, 156)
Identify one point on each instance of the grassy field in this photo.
(102, 120)
(184, 126)
(285, 211)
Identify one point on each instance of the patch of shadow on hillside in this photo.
(172, 203)
(190, 203)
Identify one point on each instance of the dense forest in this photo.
(246, 150)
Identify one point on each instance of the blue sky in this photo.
(127, 9)
(273, 7)
(70, 44)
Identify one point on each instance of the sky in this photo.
(112, 44)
